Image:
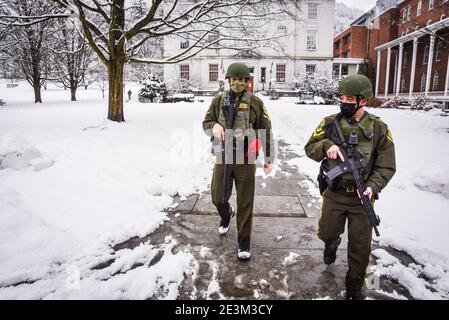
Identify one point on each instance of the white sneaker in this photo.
(224, 228)
(244, 254)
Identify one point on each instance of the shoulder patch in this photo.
(320, 129)
(389, 135)
(259, 104)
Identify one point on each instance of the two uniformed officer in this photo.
(341, 202)
(250, 115)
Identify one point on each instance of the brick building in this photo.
(354, 46)
(412, 49)
(408, 44)
(350, 50)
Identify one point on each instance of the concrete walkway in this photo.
(285, 225)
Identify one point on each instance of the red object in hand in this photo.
(253, 149)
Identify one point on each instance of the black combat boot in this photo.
(330, 252)
(224, 224)
(354, 294)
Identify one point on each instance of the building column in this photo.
(401, 53)
(379, 53)
(340, 71)
(446, 87)
(395, 76)
(413, 71)
(387, 79)
(430, 64)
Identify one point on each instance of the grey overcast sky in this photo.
(363, 5)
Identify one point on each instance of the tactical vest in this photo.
(242, 125)
(365, 146)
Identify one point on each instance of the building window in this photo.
(212, 37)
(409, 13)
(280, 72)
(282, 28)
(423, 82)
(313, 11)
(404, 16)
(431, 4)
(438, 51)
(337, 45)
(436, 79)
(310, 68)
(263, 72)
(419, 8)
(213, 72)
(185, 44)
(426, 55)
(185, 72)
(311, 40)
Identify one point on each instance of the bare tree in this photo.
(116, 30)
(71, 57)
(26, 44)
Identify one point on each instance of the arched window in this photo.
(426, 55)
(423, 82)
(436, 79)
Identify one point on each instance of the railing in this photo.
(435, 95)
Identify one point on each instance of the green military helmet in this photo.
(356, 85)
(238, 70)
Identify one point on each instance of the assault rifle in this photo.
(354, 164)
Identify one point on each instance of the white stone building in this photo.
(307, 47)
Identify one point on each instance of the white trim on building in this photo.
(308, 44)
(425, 87)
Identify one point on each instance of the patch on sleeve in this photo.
(265, 112)
(389, 135)
(320, 129)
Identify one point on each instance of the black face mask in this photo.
(348, 109)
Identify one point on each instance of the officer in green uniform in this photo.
(342, 203)
(250, 117)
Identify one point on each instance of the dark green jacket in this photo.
(259, 119)
(383, 153)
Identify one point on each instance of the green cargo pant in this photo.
(244, 176)
(336, 209)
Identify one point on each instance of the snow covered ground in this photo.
(73, 184)
(414, 206)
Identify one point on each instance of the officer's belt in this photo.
(346, 189)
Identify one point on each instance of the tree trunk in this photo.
(37, 93)
(73, 88)
(115, 73)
